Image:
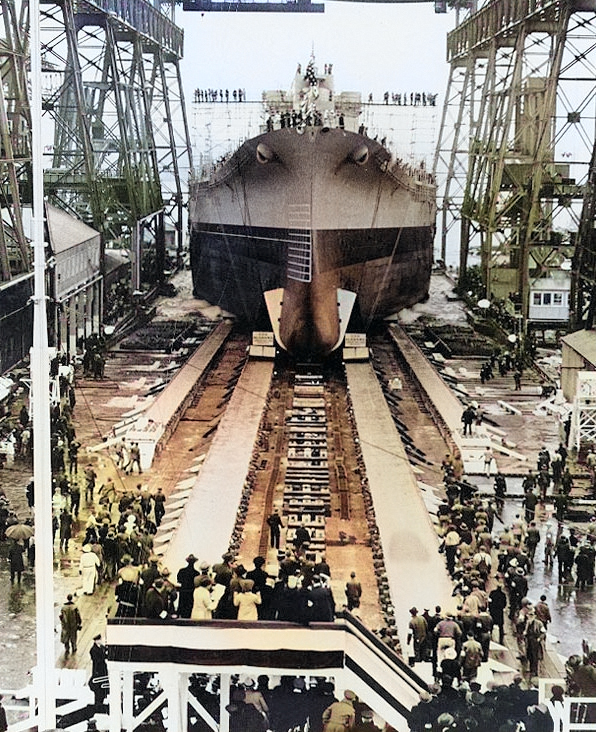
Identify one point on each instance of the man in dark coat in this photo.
(65, 529)
(148, 577)
(98, 653)
(468, 416)
(244, 717)
(159, 501)
(319, 603)
(275, 524)
(17, 564)
(302, 537)
(70, 620)
(260, 577)
(155, 602)
(497, 601)
(98, 683)
(353, 592)
(186, 581)
(584, 568)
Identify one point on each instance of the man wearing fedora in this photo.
(70, 620)
(186, 582)
(417, 632)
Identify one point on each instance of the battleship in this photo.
(312, 226)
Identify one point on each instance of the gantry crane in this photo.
(116, 144)
(516, 140)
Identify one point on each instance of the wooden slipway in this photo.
(415, 569)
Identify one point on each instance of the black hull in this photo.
(388, 269)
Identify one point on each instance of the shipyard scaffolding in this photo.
(121, 149)
(514, 152)
(16, 275)
(116, 156)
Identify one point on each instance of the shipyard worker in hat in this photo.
(340, 715)
(367, 723)
(275, 524)
(70, 621)
(417, 632)
(186, 581)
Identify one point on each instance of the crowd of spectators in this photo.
(299, 592)
(220, 95)
(405, 99)
(268, 704)
(500, 708)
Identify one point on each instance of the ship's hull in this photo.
(311, 215)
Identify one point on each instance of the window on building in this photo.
(557, 298)
(537, 298)
(546, 298)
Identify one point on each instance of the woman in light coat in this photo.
(203, 602)
(246, 601)
(88, 564)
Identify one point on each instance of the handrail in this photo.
(345, 649)
(497, 18)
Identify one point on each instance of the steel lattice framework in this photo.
(116, 141)
(517, 138)
(114, 95)
(15, 141)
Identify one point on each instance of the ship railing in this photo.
(273, 121)
(417, 180)
(219, 172)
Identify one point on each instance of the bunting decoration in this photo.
(310, 74)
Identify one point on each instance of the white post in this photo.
(224, 700)
(128, 683)
(183, 696)
(40, 387)
(170, 682)
(115, 698)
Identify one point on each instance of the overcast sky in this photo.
(373, 48)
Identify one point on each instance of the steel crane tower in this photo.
(516, 139)
(113, 97)
(116, 144)
(16, 276)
